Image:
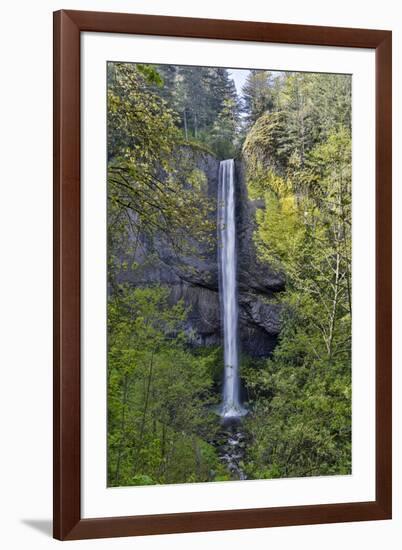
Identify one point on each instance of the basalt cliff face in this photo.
(194, 278)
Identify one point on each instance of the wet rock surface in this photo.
(194, 278)
(231, 446)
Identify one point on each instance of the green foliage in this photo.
(258, 95)
(148, 167)
(265, 145)
(224, 130)
(159, 394)
(305, 109)
(150, 74)
(300, 421)
(296, 145)
(206, 104)
(299, 168)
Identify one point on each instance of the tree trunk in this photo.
(185, 124)
(195, 125)
(334, 306)
(144, 413)
(122, 429)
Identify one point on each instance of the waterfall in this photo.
(227, 262)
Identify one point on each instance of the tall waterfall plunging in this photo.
(227, 262)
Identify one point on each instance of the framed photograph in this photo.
(222, 204)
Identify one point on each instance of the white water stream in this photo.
(227, 262)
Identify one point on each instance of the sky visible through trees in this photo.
(239, 77)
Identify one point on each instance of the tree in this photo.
(159, 394)
(257, 95)
(200, 95)
(148, 167)
(224, 130)
(299, 167)
(307, 109)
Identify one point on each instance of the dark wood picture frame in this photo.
(68, 523)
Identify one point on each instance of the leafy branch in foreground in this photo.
(150, 173)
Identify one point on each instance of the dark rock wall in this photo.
(259, 315)
(194, 279)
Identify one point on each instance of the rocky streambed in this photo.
(231, 445)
